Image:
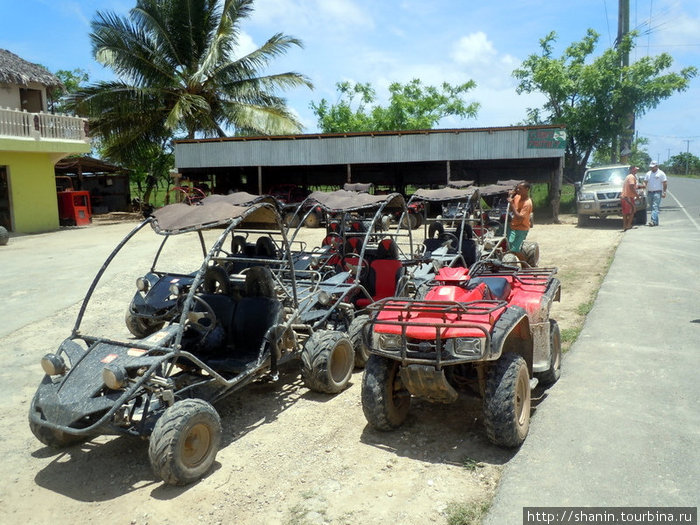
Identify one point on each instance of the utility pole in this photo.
(687, 154)
(623, 27)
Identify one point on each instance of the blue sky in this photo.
(382, 41)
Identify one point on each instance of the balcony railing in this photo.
(42, 126)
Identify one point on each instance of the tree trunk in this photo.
(555, 191)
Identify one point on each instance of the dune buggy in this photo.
(483, 332)
(234, 325)
(152, 304)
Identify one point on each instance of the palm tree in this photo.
(179, 75)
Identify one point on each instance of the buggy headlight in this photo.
(386, 341)
(324, 298)
(142, 284)
(53, 365)
(465, 346)
(174, 289)
(114, 376)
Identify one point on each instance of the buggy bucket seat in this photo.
(384, 273)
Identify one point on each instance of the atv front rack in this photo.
(444, 319)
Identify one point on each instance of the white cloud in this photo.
(246, 44)
(473, 49)
(302, 16)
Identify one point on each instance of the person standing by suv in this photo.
(521, 206)
(627, 197)
(656, 185)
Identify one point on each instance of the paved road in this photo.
(59, 281)
(622, 425)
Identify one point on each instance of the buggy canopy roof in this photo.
(512, 183)
(460, 183)
(240, 198)
(445, 194)
(343, 200)
(181, 217)
(358, 186)
(493, 189)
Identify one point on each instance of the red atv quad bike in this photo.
(484, 332)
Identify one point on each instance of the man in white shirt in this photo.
(656, 185)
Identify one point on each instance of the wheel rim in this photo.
(341, 362)
(522, 401)
(196, 445)
(398, 395)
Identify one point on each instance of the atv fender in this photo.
(511, 333)
(426, 382)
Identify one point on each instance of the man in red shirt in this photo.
(521, 207)
(629, 193)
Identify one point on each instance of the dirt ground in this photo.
(289, 456)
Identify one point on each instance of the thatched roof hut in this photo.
(15, 70)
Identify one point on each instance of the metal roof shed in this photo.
(395, 158)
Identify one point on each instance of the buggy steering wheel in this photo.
(202, 322)
(350, 262)
(451, 240)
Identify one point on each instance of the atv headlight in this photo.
(114, 376)
(174, 289)
(464, 346)
(53, 365)
(386, 341)
(142, 284)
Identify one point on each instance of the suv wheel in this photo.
(185, 441)
(583, 220)
(327, 361)
(385, 401)
(507, 401)
(640, 217)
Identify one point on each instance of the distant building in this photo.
(31, 142)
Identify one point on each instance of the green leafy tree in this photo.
(179, 75)
(72, 81)
(683, 164)
(411, 106)
(637, 157)
(594, 97)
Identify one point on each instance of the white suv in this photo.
(598, 194)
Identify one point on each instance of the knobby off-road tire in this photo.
(531, 252)
(355, 332)
(291, 220)
(54, 438)
(327, 361)
(385, 401)
(185, 441)
(141, 327)
(4, 236)
(507, 401)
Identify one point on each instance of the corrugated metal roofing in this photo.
(361, 148)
